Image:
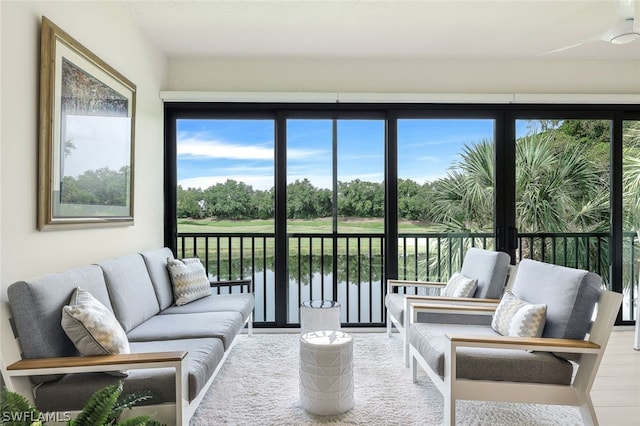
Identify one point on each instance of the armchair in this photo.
(489, 268)
(475, 362)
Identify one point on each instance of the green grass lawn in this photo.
(323, 225)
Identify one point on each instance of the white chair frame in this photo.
(409, 299)
(576, 394)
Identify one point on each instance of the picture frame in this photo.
(86, 137)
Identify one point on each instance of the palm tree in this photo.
(631, 175)
(557, 190)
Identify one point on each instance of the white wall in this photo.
(106, 30)
(404, 75)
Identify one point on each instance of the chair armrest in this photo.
(248, 283)
(412, 283)
(540, 344)
(415, 308)
(452, 300)
(84, 364)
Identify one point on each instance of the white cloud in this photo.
(212, 148)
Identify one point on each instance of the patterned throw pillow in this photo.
(515, 317)
(460, 286)
(189, 280)
(93, 328)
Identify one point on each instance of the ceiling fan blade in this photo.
(562, 49)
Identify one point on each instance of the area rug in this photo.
(258, 385)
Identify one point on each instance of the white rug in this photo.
(258, 385)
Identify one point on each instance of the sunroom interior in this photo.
(502, 61)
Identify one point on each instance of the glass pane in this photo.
(445, 185)
(309, 176)
(309, 212)
(562, 192)
(361, 176)
(225, 201)
(323, 265)
(631, 222)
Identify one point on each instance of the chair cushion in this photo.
(156, 262)
(487, 364)
(395, 304)
(460, 286)
(189, 280)
(570, 295)
(515, 317)
(490, 268)
(130, 290)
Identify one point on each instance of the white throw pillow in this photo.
(189, 280)
(515, 317)
(93, 328)
(460, 286)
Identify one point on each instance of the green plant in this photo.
(103, 408)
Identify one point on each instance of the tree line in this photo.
(562, 184)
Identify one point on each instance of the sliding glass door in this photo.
(335, 215)
(329, 201)
(446, 190)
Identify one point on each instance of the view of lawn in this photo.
(298, 226)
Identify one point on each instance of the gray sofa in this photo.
(137, 289)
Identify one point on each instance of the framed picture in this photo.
(86, 141)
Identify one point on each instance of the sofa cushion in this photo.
(130, 289)
(487, 364)
(189, 280)
(222, 325)
(490, 268)
(156, 262)
(242, 303)
(515, 317)
(570, 295)
(93, 328)
(460, 286)
(73, 390)
(36, 307)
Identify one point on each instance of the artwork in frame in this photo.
(86, 140)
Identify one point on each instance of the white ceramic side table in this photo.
(326, 372)
(316, 315)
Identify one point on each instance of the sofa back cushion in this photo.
(130, 289)
(156, 262)
(36, 307)
(570, 295)
(490, 268)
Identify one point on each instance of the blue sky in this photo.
(212, 151)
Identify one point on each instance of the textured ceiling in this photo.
(502, 29)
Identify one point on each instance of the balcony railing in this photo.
(349, 268)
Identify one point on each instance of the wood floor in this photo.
(616, 390)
